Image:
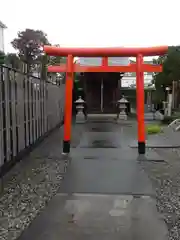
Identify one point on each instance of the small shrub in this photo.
(153, 129)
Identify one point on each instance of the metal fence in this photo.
(29, 108)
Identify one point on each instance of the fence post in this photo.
(20, 111)
(12, 102)
(1, 119)
(7, 112)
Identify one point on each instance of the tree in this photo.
(171, 70)
(56, 60)
(13, 60)
(44, 61)
(171, 66)
(29, 45)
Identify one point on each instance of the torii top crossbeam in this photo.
(105, 52)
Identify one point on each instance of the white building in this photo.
(2, 27)
(129, 78)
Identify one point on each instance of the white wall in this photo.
(1, 39)
(127, 81)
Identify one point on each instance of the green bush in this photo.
(153, 129)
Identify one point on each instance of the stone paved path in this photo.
(105, 193)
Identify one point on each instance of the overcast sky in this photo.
(95, 22)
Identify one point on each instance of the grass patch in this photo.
(153, 129)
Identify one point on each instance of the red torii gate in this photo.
(139, 68)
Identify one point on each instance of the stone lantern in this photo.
(80, 117)
(122, 105)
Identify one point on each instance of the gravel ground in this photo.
(29, 186)
(166, 179)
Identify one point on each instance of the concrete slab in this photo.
(100, 140)
(98, 217)
(98, 127)
(105, 175)
(130, 154)
(105, 153)
(150, 156)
